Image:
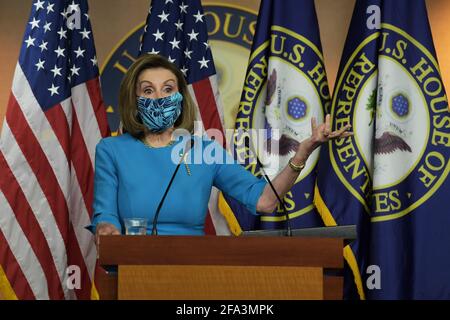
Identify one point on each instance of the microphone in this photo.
(189, 146)
(281, 201)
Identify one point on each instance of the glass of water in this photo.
(135, 226)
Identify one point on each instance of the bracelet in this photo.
(296, 168)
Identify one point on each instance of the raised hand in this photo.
(322, 133)
(319, 134)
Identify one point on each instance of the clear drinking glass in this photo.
(135, 226)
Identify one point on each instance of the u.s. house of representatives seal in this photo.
(399, 113)
(285, 87)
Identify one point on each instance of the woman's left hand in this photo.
(284, 181)
(320, 134)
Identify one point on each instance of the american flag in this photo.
(55, 117)
(177, 30)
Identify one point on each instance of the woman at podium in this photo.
(133, 170)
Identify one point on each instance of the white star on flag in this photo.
(158, 35)
(62, 33)
(198, 17)
(164, 17)
(40, 65)
(171, 59)
(39, 5)
(53, 90)
(56, 71)
(153, 51)
(43, 45)
(85, 33)
(94, 61)
(183, 7)
(34, 23)
(73, 7)
(50, 8)
(47, 27)
(187, 53)
(79, 52)
(203, 63)
(75, 70)
(179, 25)
(174, 43)
(64, 14)
(193, 35)
(30, 41)
(184, 70)
(60, 52)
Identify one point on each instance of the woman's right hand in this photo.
(104, 229)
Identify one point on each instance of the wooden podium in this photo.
(221, 267)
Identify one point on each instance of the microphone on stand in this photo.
(189, 146)
(281, 201)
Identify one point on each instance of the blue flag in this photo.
(392, 175)
(285, 87)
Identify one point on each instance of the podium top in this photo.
(220, 250)
(346, 232)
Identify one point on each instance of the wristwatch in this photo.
(295, 167)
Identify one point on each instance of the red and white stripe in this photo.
(47, 165)
(205, 94)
